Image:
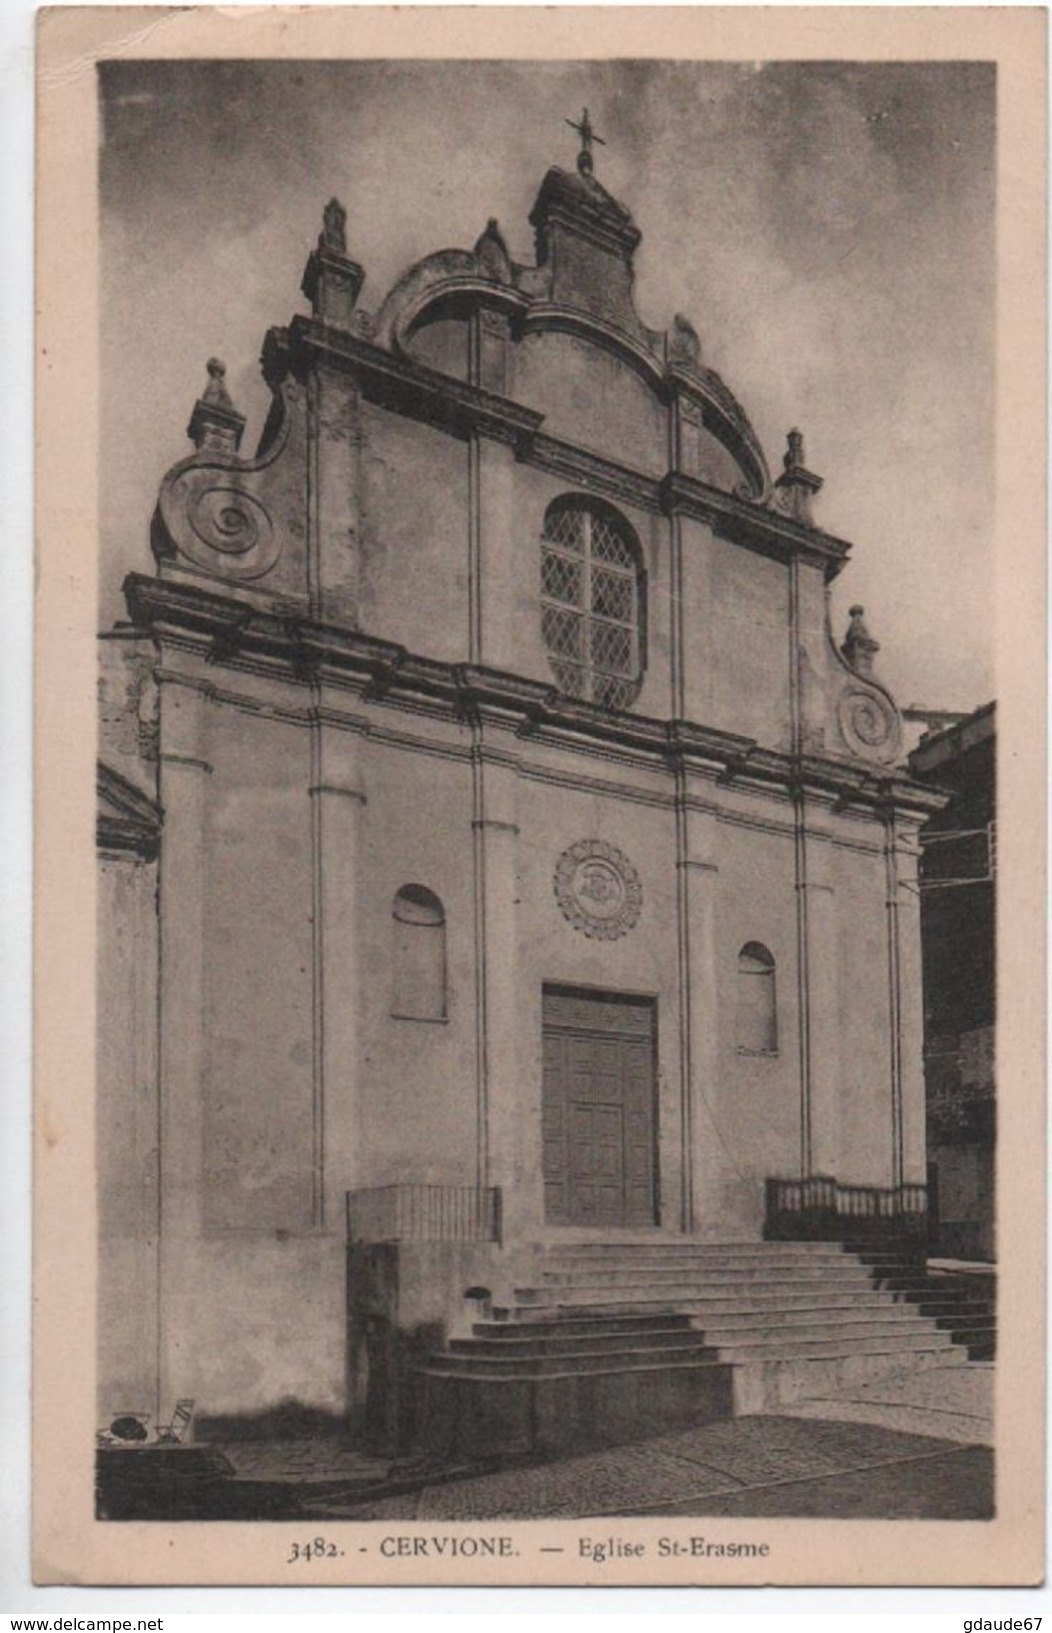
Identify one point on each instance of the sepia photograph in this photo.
(545, 981)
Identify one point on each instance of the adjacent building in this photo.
(958, 903)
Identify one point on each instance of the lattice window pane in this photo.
(590, 604)
(563, 633)
(566, 527)
(572, 678)
(561, 578)
(614, 693)
(613, 595)
(612, 648)
(607, 545)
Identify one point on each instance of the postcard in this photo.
(541, 584)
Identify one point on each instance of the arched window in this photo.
(592, 612)
(419, 955)
(756, 1010)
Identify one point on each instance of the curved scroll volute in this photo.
(865, 716)
(233, 519)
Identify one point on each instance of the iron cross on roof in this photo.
(588, 134)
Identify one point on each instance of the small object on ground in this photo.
(174, 1433)
(128, 1426)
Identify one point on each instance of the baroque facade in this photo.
(497, 848)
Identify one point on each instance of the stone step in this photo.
(779, 1348)
(674, 1293)
(518, 1340)
(540, 1323)
(692, 1263)
(631, 1253)
(907, 1276)
(573, 1361)
(918, 1292)
(899, 1316)
(768, 1306)
(837, 1276)
(733, 1331)
(614, 1302)
(688, 1244)
(772, 1307)
(959, 1320)
(715, 1275)
(448, 1366)
(716, 1256)
(695, 1312)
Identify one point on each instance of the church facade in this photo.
(497, 847)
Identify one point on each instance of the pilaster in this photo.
(695, 612)
(677, 631)
(184, 773)
(698, 882)
(810, 654)
(506, 1156)
(334, 486)
(492, 534)
(817, 908)
(911, 1010)
(338, 801)
(498, 538)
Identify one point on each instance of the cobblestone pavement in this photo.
(954, 1403)
(773, 1466)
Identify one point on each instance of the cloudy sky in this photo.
(828, 228)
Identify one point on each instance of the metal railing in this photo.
(820, 1206)
(424, 1213)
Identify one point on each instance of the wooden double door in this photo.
(598, 1108)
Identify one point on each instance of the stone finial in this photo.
(334, 227)
(215, 424)
(331, 280)
(797, 486)
(683, 343)
(859, 647)
(492, 253)
(215, 391)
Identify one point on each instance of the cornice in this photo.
(743, 522)
(379, 669)
(408, 386)
(723, 415)
(555, 317)
(128, 822)
(617, 481)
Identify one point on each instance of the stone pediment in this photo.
(583, 290)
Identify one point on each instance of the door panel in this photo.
(597, 1120)
(596, 1173)
(553, 1129)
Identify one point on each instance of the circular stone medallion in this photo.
(598, 889)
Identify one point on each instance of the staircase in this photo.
(616, 1341)
(961, 1302)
